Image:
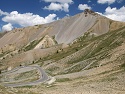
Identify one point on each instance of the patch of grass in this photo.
(26, 74)
(27, 86)
(4, 90)
(39, 61)
(62, 54)
(32, 44)
(107, 42)
(95, 64)
(20, 77)
(77, 67)
(123, 66)
(109, 79)
(4, 53)
(63, 80)
(1, 55)
(53, 69)
(112, 75)
(109, 71)
(53, 37)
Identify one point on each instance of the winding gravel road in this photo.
(42, 78)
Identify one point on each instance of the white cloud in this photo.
(27, 19)
(3, 13)
(66, 7)
(54, 6)
(114, 13)
(57, 7)
(59, 1)
(83, 7)
(50, 18)
(7, 27)
(106, 1)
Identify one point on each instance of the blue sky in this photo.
(22, 13)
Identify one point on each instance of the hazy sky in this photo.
(22, 13)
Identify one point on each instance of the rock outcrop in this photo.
(46, 42)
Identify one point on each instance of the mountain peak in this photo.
(88, 11)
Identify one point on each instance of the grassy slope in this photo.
(105, 44)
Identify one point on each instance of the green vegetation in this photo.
(4, 53)
(63, 80)
(53, 37)
(123, 66)
(32, 45)
(3, 90)
(53, 68)
(100, 49)
(28, 86)
(25, 75)
(39, 62)
(105, 72)
(75, 68)
(106, 43)
(109, 79)
(1, 55)
(64, 53)
(50, 70)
